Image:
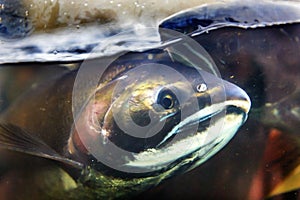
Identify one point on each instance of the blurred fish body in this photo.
(60, 30)
(50, 150)
(40, 15)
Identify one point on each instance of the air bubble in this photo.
(150, 56)
(105, 140)
(201, 87)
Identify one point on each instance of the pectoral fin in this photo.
(14, 138)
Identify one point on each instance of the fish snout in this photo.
(236, 97)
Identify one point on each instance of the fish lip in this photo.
(241, 106)
(227, 110)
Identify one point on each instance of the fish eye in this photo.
(167, 99)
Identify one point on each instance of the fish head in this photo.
(157, 118)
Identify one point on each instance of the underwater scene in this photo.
(111, 99)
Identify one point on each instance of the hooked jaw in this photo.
(225, 120)
(237, 97)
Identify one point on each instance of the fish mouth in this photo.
(212, 135)
(204, 122)
(237, 103)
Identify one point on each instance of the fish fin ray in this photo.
(16, 139)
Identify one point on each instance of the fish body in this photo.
(74, 154)
(57, 30)
(37, 15)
